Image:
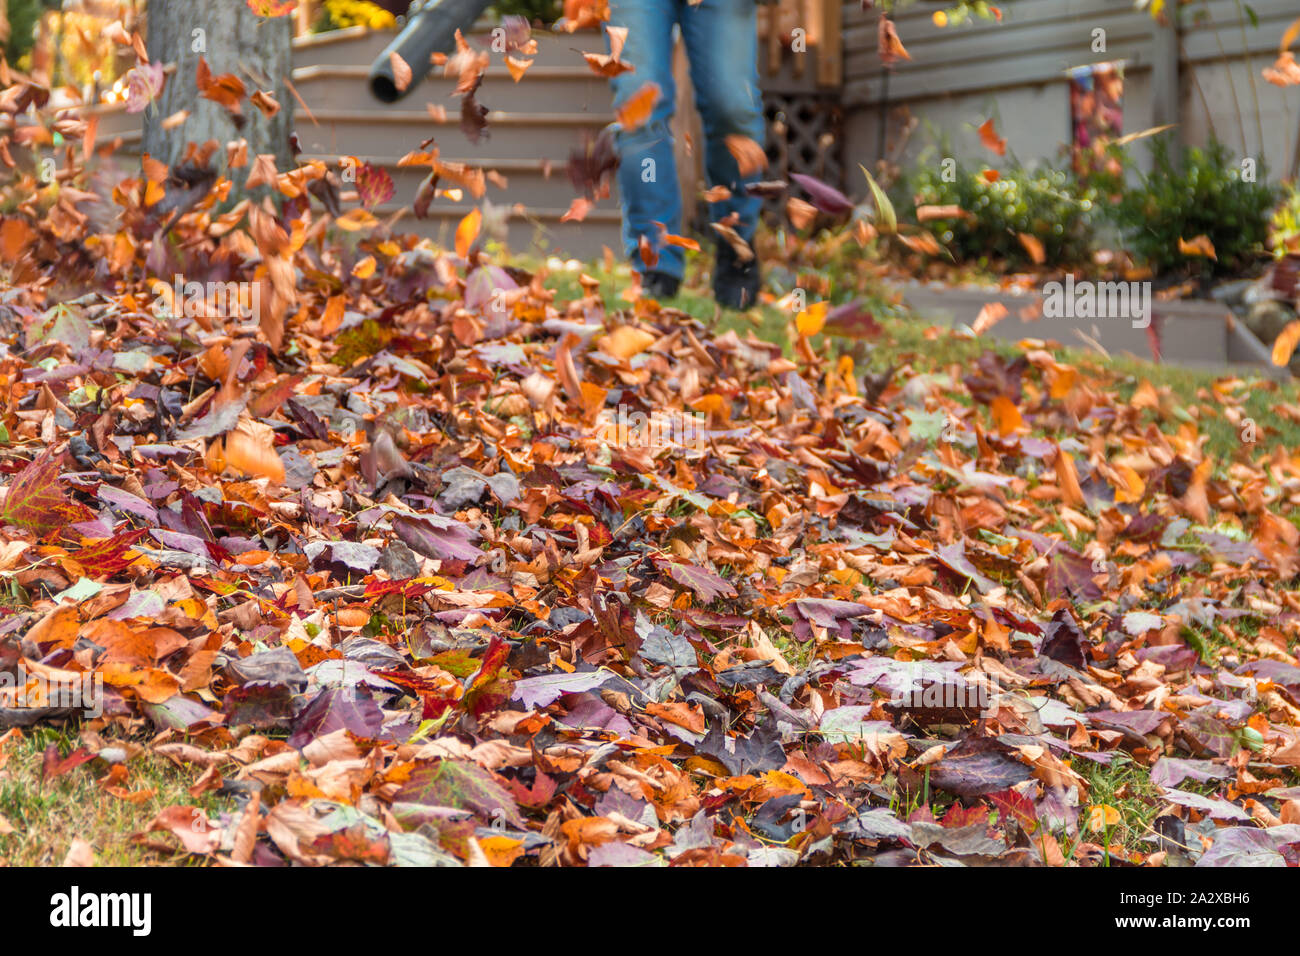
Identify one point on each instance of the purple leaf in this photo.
(953, 557)
(1171, 771)
(977, 766)
(1069, 574)
(707, 585)
(1242, 846)
(540, 691)
(125, 501)
(830, 614)
(437, 537)
(826, 198)
(350, 708)
(1219, 809)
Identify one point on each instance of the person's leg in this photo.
(722, 43)
(647, 174)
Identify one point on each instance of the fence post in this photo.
(1166, 96)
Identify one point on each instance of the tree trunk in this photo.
(232, 39)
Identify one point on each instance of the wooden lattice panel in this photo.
(805, 133)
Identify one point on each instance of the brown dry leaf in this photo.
(636, 111)
(926, 213)
(1034, 246)
(802, 213)
(990, 315)
(648, 254)
(80, 853)
(578, 209)
(888, 45)
(265, 101)
(750, 157)
(263, 172)
(1067, 479)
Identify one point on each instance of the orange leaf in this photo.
(332, 317)
(813, 319)
(1034, 246)
(927, 213)
(250, 448)
(1285, 343)
(467, 232)
(1068, 479)
(649, 255)
(990, 138)
(501, 850)
(681, 242)
(1291, 33)
(626, 341)
(356, 219)
(990, 315)
(750, 157)
(15, 236)
(1130, 487)
(1200, 246)
(578, 210)
(922, 242)
(889, 46)
(636, 111)
(801, 212)
(1007, 417)
(517, 67)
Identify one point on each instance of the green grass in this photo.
(1126, 786)
(905, 339)
(47, 815)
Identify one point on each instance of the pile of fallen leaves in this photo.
(419, 564)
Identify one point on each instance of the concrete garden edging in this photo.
(1191, 333)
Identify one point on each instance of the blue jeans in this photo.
(721, 38)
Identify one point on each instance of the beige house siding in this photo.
(1015, 72)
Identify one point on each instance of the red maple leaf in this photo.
(36, 502)
(374, 185)
(108, 556)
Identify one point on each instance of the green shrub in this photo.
(546, 11)
(23, 18)
(1049, 205)
(1200, 192)
(1284, 228)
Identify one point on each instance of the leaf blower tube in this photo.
(429, 29)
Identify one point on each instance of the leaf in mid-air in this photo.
(374, 185)
(36, 502)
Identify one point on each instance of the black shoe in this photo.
(659, 285)
(735, 283)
